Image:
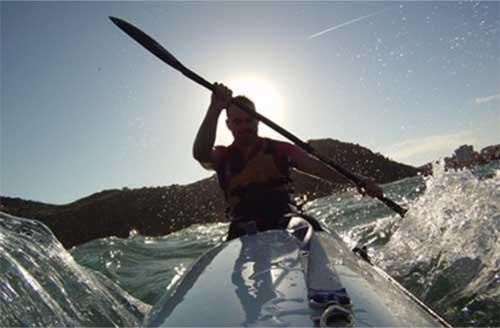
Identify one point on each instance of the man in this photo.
(253, 172)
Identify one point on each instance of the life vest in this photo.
(258, 184)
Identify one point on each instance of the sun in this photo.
(267, 99)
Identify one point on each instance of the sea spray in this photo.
(43, 286)
(446, 250)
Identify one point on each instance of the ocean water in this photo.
(446, 251)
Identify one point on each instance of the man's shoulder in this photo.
(218, 155)
(221, 148)
(278, 142)
(221, 153)
(282, 146)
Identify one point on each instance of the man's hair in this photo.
(245, 100)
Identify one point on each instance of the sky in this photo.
(84, 108)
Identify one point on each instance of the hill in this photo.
(162, 210)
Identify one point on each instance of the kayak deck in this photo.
(254, 280)
(264, 280)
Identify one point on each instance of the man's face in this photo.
(243, 126)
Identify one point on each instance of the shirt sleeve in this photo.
(221, 155)
(218, 156)
(287, 149)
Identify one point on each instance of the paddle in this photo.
(157, 49)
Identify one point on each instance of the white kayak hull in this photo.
(265, 279)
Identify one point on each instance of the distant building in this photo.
(491, 152)
(465, 157)
(464, 153)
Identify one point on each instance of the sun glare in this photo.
(267, 99)
(268, 102)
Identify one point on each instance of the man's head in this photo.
(243, 126)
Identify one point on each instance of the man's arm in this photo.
(205, 138)
(312, 166)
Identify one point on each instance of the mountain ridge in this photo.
(155, 211)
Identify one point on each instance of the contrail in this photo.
(346, 23)
(487, 99)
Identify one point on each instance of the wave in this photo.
(42, 285)
(446, 250)
(147, 266)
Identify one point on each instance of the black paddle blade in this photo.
(147, 42)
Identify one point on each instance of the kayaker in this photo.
(254, 172)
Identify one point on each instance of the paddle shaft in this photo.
(165, 56)
(296, 140)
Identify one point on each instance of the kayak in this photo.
(294, 277)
